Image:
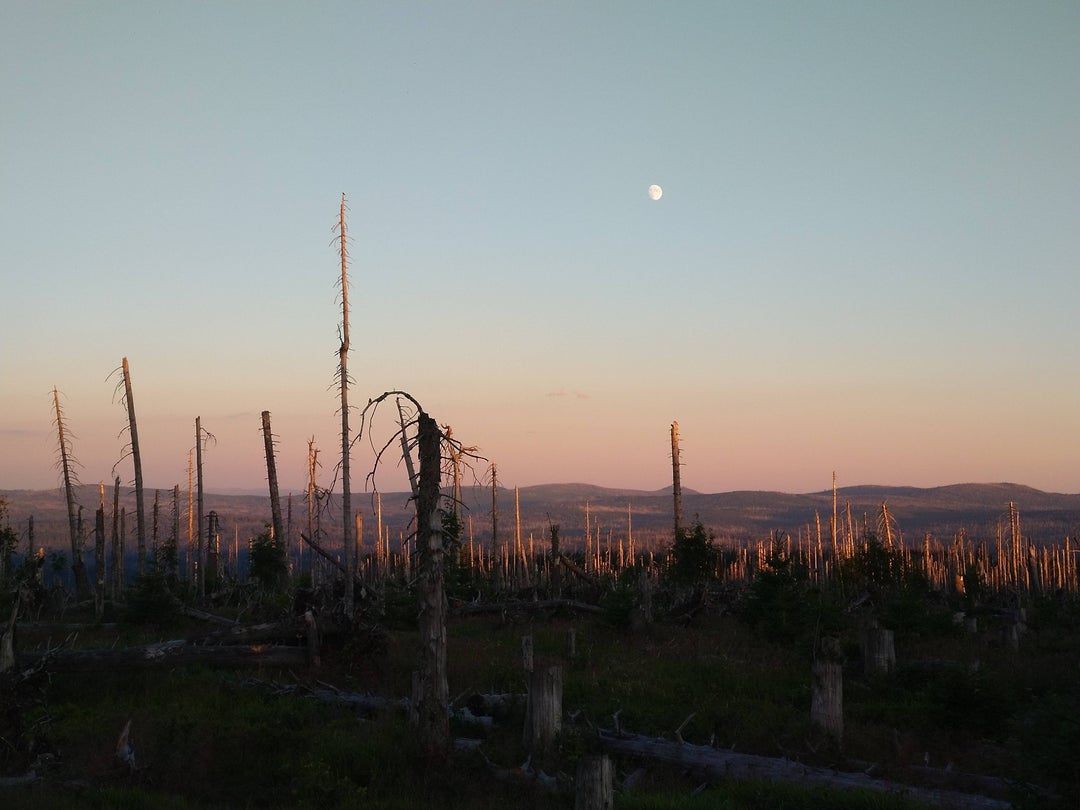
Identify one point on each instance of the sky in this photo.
(866, 258)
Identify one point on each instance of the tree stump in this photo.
(543, 716)
(878, 650)
(593, 787)
(827, 698)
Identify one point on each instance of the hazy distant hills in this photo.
(979, 509)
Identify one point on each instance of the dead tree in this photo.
(343, 380)
(200, 569)
(99, 558)
(133, 432)
(433, 701)
(201, 437)
(116, 563)
(495, 548)
(676, 484)
(67, 462)
(430, 698)
(271, 477)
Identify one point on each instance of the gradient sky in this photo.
(866, 258)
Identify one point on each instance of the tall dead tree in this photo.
(201, 437)
(200, 566)
(343, 379)
(67, 460)
(136, 458)
(676, 484)
(271, 477)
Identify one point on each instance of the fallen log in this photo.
(578, 571)
(539, 604)
(283, 632)
(167, 654)
(718, 764)
(363, 704)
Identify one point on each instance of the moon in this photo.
(655, 192)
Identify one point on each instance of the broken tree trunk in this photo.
(827, 697)
(676, 485)
(543, 717)
(432, 698)
(271, 477)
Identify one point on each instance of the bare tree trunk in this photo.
(99, 558)
(212, 549)
(405, 454)
(114, 580)
(271, 477)
(433, 702)
(313, 463)
(544, 713)
(200, 569)
(500, 577)
(593, 787)
(676, 484)
(191, 547)
(343, 374)
(155, 511)
(140, 513)
(82, 585)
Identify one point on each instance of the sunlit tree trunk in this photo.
(140, 513)
(200, 560)
(343, 374)
(271, 477)
(676, 482)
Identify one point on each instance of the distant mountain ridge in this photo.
(980, 510)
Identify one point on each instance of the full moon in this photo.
(655, 192)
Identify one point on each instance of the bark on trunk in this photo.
(676, 483)
(140, 512)
(200, 561)
(543, 717)
(827, 697)
(878, 650)
(343, 374)
(271, 477)
(433, 701)
(593, 786)
(78, 567)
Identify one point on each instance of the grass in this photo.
(203, 739)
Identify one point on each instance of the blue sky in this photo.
(865, 259)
